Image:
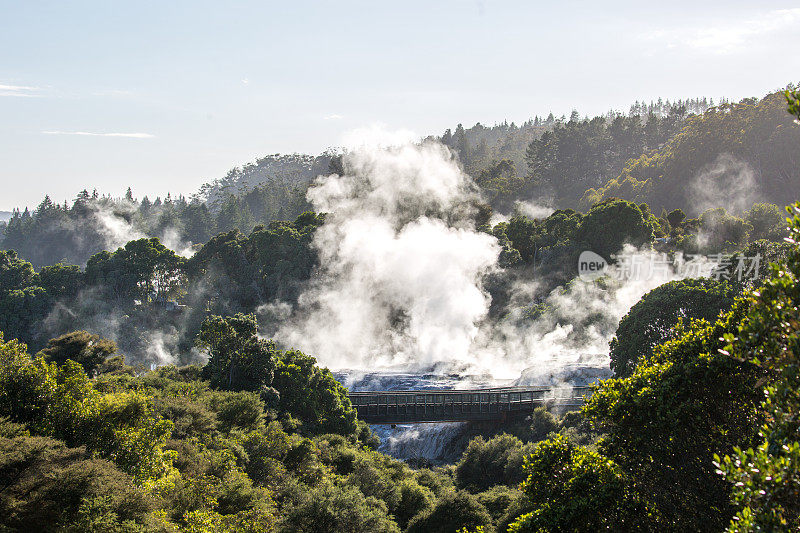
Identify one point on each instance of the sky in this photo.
(164, 96)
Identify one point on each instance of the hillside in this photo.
(734, 153)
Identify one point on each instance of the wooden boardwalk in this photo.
(406, 406)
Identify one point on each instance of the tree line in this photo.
(650, 155)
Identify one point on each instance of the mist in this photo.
(727, 182)
(401, 281)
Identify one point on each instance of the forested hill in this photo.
(684, 154)
(748, 147)
(479, 147)
(283, 174)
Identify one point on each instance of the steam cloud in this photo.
(727, 182)
(115, 227)
(400, 281)
(400, 284)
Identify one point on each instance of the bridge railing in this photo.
(459, 404)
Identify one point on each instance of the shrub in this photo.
(344, 509)
(486, 463)
(452, 512)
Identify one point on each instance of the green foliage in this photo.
(721, 231)
(651, 320)
(575, 489)
(767, 222)
(493, 462)
(499, 180)
(22, 302)
(238, 359)
(343, 509)
(241, 410)
(542, 423)
(47, 486)
(414, 499)
(373, 481)
(313, 395)
(665, 421)
(61, 402)
(144, 270)
(271, 263)
(15, 273)
(61, 280)
(793, 99)
(579, 154)
(521, 231)
(272, 188)
(80, 346)
(21, 312)
(757, 133)
(758, 255)
(452, 512)
(676, 217)
(766, 477)
(498, 500)
(611, 224)
(190, 417)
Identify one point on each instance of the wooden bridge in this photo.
(406, 406)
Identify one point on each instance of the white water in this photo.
(431, 441)
(415, 441)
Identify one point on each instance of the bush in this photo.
(80, 346)
(414, 499)
(664, 423)
(48, 486)
(498, 500)
(373, 482)
(454, 511)
(344, 509)
(543, 422)
(574, 489)
(486, 463)
(651, 320)
(240, 410)
(190, 418)
(611, 224)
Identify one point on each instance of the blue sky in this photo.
(163, 96)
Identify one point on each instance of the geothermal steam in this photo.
(398, 286)
(400, 279)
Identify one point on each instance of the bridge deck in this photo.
(405, 406)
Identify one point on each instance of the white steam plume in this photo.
(117, 230)
(396, 286)
(575, 327)
(533, 210)
(400, 282)
(728, 182)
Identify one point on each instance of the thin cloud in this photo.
(727, 38)
(96, 134)
(22, 91)
(333, 117)
(113, 93)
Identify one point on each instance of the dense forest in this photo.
(228, 431)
